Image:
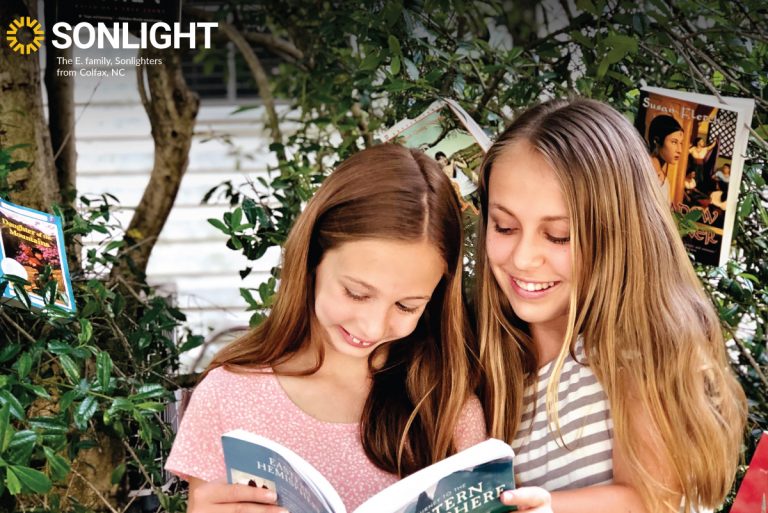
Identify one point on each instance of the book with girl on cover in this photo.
(469, 481)
(697, 144)
(447, 133)
(32, 252)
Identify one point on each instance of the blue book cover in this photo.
(257, 461)
(32, 242)
(470, 481)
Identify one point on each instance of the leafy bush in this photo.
(81, 396)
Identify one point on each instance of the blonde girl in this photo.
(605, 365)
(361, 366)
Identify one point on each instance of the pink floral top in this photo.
(256, 402)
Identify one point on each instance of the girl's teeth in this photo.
(358, 341)
(533, 287)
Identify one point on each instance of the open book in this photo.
(447, 133)
(31, 244)
(470, 481)
(697, 144)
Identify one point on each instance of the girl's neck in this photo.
(548, 339)
(335, 367)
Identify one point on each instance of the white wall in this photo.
(115, 155)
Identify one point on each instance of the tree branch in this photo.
(259, 76)
(94, 490)
(172, 110)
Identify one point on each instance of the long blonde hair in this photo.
(388, 192)
(650, 333)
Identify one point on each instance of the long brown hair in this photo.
(650, 333)
(385, 192)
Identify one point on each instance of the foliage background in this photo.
(84, 394)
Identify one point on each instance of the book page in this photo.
(470, 481)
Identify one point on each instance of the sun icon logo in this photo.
(34, 38)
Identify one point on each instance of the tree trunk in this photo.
(22, 120)
(61, 112)
(172, 109)
(60, 87)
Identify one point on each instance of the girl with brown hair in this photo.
(605, 362)
(362, 365)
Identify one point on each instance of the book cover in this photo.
(447, 133)
(470, 481)
(697, 144)
(30, 243)
(257, 461)
(752, 496)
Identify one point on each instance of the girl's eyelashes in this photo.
(558, 240)
(406, 309)
(361, 297)
(551, 238)
(353, 296)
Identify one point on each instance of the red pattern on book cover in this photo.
(752, 496)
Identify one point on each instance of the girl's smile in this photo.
(353, 340)
(532, 289)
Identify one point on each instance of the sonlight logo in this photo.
(16, 35)
(117, 35)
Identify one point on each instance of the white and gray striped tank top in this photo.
(585, 426)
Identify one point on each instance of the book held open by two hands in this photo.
(469, 481)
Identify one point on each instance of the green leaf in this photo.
(21, 446)
(394, 46)
(17, 410)
(58, 347)
(151, 406)
(70, 368)
(371, 61)
(394, 68)
(118, 473)
(120, 404)
(58, 466)
(90, 308)
(31, 479)
(12, 482)
(38, 390)
(85, 411)
(9, 351)
(148, 392)
(24, 365)
(5, 423)
(103, 369)
(86, 331)
(216, 223)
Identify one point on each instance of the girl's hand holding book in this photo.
(528, 498)
(220, 497)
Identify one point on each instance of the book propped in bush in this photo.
(697, 143)
(469, 481)
(447, 133)
(31, 244)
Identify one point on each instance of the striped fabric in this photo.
(541, 458)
